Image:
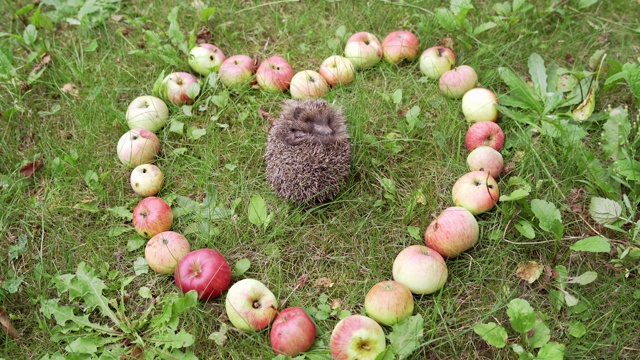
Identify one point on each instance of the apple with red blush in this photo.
(357, 337)
(274, 74)
(476, 191)
(237, 71)
(400, 45)
(206, 271)
(485, 158)
(389, 302)
(292, 332)
(456, 82)
(138, 146)
(437, 60)
(421, 269)
(250, 305)
(152, 216)
(484, 133)
(454, 231)
(164, 250)
(308, 84)
(363, 49)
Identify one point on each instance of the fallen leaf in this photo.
(45, 58)
(569, 58)
(336, 303)
(6, 324)
(324, 282)
(28, 169)
(117, 18)
(447, 42)
(530, 271)
(203, 35)
(574, 200)
(302, 281)
(70, 89)
(265, 116)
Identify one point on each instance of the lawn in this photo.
(560, 251)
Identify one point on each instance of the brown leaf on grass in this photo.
(70, 89)
(324, 282)
(28, 169)
(265, 115)
(45, 58)
(448, 42)
(302, 281)
(336, 304)
(203, 35)
(7, 327)
(569, 58)
(574, 200)
(117, 18)
(530, 271)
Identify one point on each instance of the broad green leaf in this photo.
(592, 244)
(175, 35)
(551, 101)
(586, 3)
(484, 27)
(220, 336)
(460, 8)
(414, 232)
(30, 34)
(176, 127)
(502, 8)
(206, 13)
(584, 279)
(548, 215)
(521, 315)
(540, 335)
(396, 97)
(387, 354)
(92, 288)
(64, 314)
(492, 333)
(406, 336)
(193, 90)
(145, 292)
(257, 210)
(83, 345)
(604, 211)
(516, 194)
(551, 351)
(512, 101)
(341, 32)
(135, 243)
(119, 230)
(195, 133)
(241, 267)
(517, 5)
(576, 329)
(121, 212)
(631, 73)
(446, 19)
(140, 266)
(519, 89)
(569, 299)
(525, 229)
(628, 169)
(538, 74)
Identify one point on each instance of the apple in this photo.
(456, 82)
(164, 250)
(363, 49)
(485, 158)
(389, 302)
(152, 216)
(357, 337)
(421, 269)
(274, 74)
(436, 60)
(147, 112)
(237, 71)
(250, 305)
(485, 133)
(455, 230)
(146, 180)
(400, 45)
(479, 104)
(308, 84)
(292, 332)
(205, 271)
(205, 58)
(476, 191)
(337, 69)
(176, 87)
(138, 146)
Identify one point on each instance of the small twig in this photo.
(267, 4)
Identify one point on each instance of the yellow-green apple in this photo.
(180, 88)
(436, 60)
(389, 302)
(205, 58)
(274, 74)
(308, 84)
(485, 133)
(476, 191)
(147, 112)
(357, 337)
(479, 104)
(292, 332)
(400, 45)
(138, 146)
(485, 158)
(456, 82)
(250, 305)
(337, 69)
(237, 71)
(363, 49)
(152, 216)
(146, 180)
(205, 271)
(455, 230)
(421, 269)
(164, 250)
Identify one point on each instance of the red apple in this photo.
(452, 232)
(152, 216)
(357, 337)
(164, 250)
(337, 70)
(292, 332)
(457, 81)
(476, 191)
(205, 271)
(138, 146)
(436, 60)
(308, 84)
(146, 180)
(479, 104)
(485, 133)
(237, 71)
(485, 158)
(389, 302)
(421, 269)
(250, 305)
(363, 49)
(180, 88)
(274, 74)
(400, 45)
(205, 58)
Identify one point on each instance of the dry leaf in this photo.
(324, 282)
(574, 200)
(203, 35)
(6, 324)
(45, 58)
(336, 303)
(447, 42)
(70, 89)
(570, 59)
(302, 281)
(530, 271)
(28, 169)
(117, 18)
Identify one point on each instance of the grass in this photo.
(353, 240)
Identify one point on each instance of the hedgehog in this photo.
(308, 151)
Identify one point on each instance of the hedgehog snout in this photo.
(322, 130)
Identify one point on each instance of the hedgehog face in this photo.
(311, 122)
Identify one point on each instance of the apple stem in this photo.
(257, 305)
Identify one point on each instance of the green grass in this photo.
(352, 240)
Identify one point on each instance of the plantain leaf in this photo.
(538, 74)
(519, 89)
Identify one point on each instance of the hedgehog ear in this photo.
(296, 112)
